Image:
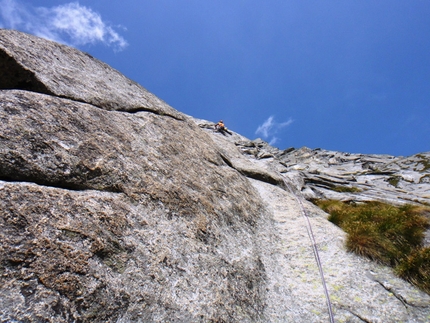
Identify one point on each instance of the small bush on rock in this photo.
(385, 233)
(416, 268)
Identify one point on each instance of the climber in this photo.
(220, 127)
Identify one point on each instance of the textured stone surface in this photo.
(325, 174)
(67, 147)
(360, 291)
(396, 180)
(52, 68)
(121, 209)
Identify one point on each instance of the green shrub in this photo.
(388, 234)
(336, 209)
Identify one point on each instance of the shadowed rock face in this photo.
(114, 207)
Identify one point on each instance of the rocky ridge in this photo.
(335, 175)
(117, 208)
(324, 174)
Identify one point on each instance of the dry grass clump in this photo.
(392, 235)
(416, 268)
(346, 189)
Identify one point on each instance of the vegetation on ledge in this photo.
(391, 235)
(346, 189)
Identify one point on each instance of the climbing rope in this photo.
(314, 249)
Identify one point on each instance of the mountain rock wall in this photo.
(115, 207)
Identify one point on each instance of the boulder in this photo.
(52, 68)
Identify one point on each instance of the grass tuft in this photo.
(394, 180)
(346, 189)
(416, 268)
(391, 235)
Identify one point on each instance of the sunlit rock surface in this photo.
(114, 207)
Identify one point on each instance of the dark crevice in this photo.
(390, 290)
(227, 161)
(361, 318)
(44, 90)
(398, 296)
(62, 185)
(262, 177)
(325, 182)
(143, 109)
(376, 172)
(130, 110)
(16, 77)
(319, 183)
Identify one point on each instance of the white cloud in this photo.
(265, 128)
(12, 14)
(70, 23)
(273, 141)
(270, 127)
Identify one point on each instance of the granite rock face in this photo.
(359, 177)
(114, 207)
(324, 174)
(51, 68)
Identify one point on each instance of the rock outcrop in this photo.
(323, 174)
(115, 207)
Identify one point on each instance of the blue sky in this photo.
(350, 76)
